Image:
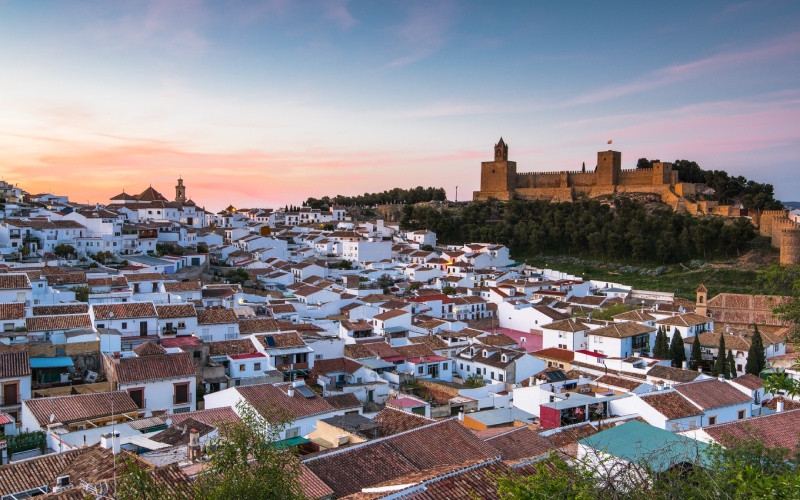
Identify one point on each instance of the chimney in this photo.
(194, 445)
(110, 441)
(290, 392)
(699, 368)
(721, 377)
(779, 406)
(685, 365)
(461, 415)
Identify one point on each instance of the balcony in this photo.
(287, 367)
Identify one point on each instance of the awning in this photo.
(295, 441)
(58, 362)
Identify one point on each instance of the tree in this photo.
(676, 350)
(731, 366)
(64, 251)
(661, 347)
(696, 359)
(202, 247)
(81, 293)
(448, 290)
(474, 381)
(756, 359)
(249, 462)
(720, 364)
(779, 382)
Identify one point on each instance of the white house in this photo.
(719, 400)
(15, 382)
(132, 319)
(493, 363)
(155, 379)
(621, 340)
(567, 334)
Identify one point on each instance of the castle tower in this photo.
(609, 165)
(701, 306)
(498, 177)
(501, 151)
(180, 191)
(790, 246)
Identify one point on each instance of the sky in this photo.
(266, 103)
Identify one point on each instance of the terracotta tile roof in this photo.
(555, 353)
(567, 325)
(78, 407)
(394, 313)
(570, 435)
(267, 399)
(433, 342)
(178, 434)
(281, 340)
(14, 364)
(788, 404)
(672, 373)
(283, 309)
(497, 340)
(13, 281)
(622, 330)
(139, 277)
(66, 279)
(638, 315)
(127, 310)
(347, 401)
(358, 326)
(381, 349)
(710, 394)
(182, 286)
(672, 405)
(393, 421)
(739, 341)
(216, 316)
(493, 356)
(58, 309)
(12, 310)
(622, 383)
(336, 365)
(149, 348)
(414, 350)
(778, 430)
(350, 470)
(64, 322)
(171, 311)
(357, 351)
(745, 309)
(164, 366)
(749, 381)
(258, 325)
(688, 319)
(230, 347)
(214, 417)
(520, 443)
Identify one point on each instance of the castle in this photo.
(784, 232)
(500, 180)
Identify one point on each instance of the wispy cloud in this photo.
(424, 31)
(336, 11)
(175, 26)
(672, 74)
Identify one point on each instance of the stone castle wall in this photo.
(790, 246)
(638, 177)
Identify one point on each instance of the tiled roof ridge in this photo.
(380, 439)
(408, 490)
(512, 430)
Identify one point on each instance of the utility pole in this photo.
(456, 194)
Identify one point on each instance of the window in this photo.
(241, 368)
(101, 325)
(741, 414)
(444, 366)
(181, 394)
(420, 370)
(712, 420)
(500, 377)
(292, 432)
(257, 366)
(124, 325)
(461, 365)
(137, 395)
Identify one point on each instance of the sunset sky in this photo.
(267, 103)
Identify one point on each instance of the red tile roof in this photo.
(64, 322)
(672, 405)
(127, 310)
(12, 310)
(269, 400)
(349, 470)
(78, 407)
(171, 311)
(520, 443)
(710, 394)
(778, 430)
(14, 364)
(216, 316)
(164, 366)
(14, 281)
(58, 309)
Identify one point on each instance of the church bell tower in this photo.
(180, 191)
